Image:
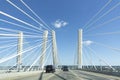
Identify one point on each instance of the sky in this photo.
(99, 19)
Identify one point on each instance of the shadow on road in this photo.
(60, 77)
(41, 75)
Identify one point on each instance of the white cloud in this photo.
(59, 23)
(87, 43)
(65, 23)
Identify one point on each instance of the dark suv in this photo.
(65, 68)
(50, 68)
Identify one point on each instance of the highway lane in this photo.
(63, 76)
(60, 75)
(93, 76)
(69, 75)
(82, 75)
(32, 77)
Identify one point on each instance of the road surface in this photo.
(68, 75)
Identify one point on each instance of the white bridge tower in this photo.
(79, 57)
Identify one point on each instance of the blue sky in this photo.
(76, 14)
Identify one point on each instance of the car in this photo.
(50, 68)
(65, 68)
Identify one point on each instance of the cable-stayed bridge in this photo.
(27, 47)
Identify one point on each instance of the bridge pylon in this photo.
(44, 44)
(54, 49)
(19, 51)
(79, 56)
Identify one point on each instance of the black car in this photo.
(50, 68)
(65, 68)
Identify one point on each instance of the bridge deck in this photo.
(59, 75)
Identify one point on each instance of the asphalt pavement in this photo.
(68, 75)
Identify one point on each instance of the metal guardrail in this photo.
(103, 69)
